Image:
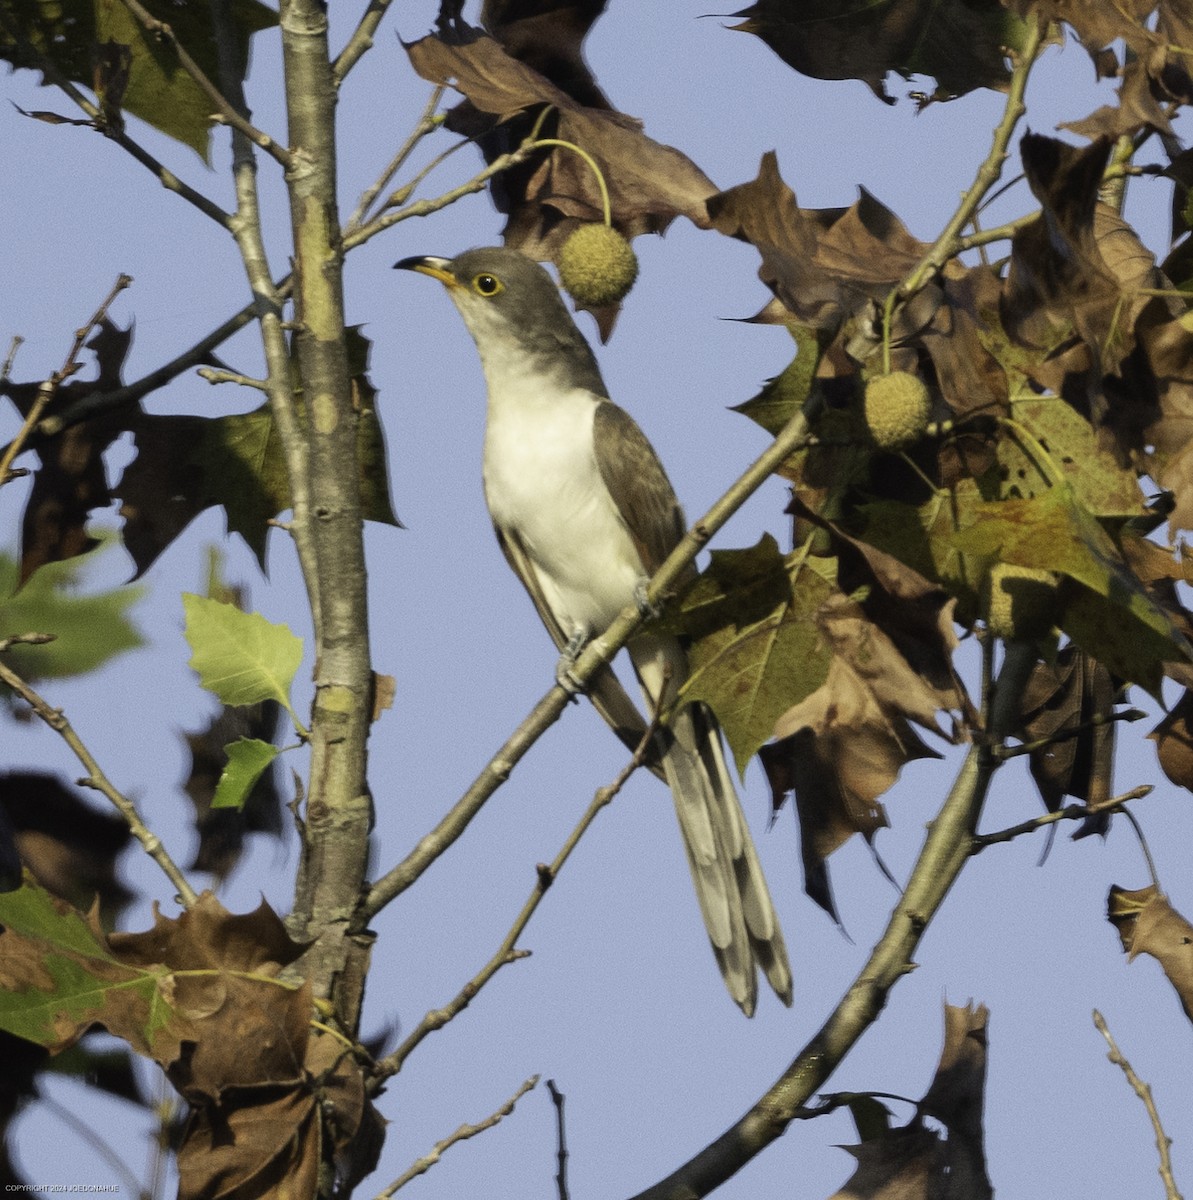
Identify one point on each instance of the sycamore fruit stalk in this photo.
(597, 266)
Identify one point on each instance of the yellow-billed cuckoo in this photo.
(585, 514)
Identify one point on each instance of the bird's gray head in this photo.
(515, 314)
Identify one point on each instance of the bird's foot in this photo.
(642, 599)
(564, 676)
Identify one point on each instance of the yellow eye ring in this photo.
(485, 284)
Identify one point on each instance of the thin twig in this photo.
(946, 245)
(1144, 1092)
(545, 876)
(57, 721)
(1071, 812)
(11, 357)
(213, 376)
(96, 403)
(1069, 732)
(424, 1164)
(223, 106)
(599, 652)
(561, 1176)
(49, 388)
(360, 41)
(423, 208)
(99, 121)
(427, 123)
(998, 233)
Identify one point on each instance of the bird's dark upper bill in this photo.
(429, 264)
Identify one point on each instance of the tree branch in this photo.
(1071, 812)
(226, 110)
(49, 389)
(947, 244)
(424, 1164)
(327, 520)
(945, 851)
(599, 652)
(1163, 1141)
(56, 719)
(360, 42)
(99, 121)
(507, 952)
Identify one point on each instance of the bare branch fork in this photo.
(224, 109)
(49, 389)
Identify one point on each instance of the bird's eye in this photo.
(487, 285)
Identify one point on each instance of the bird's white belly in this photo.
(542, 482)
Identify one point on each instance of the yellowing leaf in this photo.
(58, 976)
(1112, 617)
(241, 657)
(757, 648)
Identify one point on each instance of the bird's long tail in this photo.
(730, 886)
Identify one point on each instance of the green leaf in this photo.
(1114, 619)
(152, 84)
(186, 464)
(90, 630)
(241, 657)
(757, 649)
(58, 976)
(248, 759)
(782, 397)
(1103, 487)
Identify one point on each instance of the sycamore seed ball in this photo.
(1022, 602)
(597, 266)
(897, 408)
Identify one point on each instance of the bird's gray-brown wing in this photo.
(639, 485)
(608, 697)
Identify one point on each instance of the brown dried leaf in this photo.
(843, 746)
(246, 1029)
(1069, 694)
(1174, 742)
(259, 1145)
(958, 1089)
(548, 35)
(70, 847)
(916, 1163)
(824, 265)
(649, 184)
(1148, 924)
(71, 479)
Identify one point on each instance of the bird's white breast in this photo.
(542, 482)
